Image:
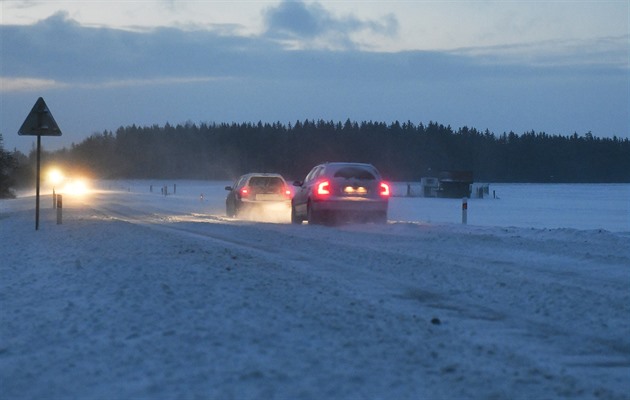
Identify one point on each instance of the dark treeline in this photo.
(402, 151)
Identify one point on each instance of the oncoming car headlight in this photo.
(75, 187)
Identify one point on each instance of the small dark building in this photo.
(455, 184)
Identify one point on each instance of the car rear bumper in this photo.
(263, 203)
(354, 205)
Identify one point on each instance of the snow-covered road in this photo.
(134, 297)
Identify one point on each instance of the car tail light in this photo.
(245, 192)
(384, 190)
(322, 188)
(287, 192)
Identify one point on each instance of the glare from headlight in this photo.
(76, 187)
(55, 176)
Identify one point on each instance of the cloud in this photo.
(59, 48)
(35, 84)
(28, 84)
(296, 19)
(607, 52)
(86, 55)
(302, 25)
(58, 51)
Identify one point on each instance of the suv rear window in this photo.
(354, 173)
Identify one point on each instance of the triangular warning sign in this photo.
(39, 122)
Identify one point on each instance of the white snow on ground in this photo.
(138, 295)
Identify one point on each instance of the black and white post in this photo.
(465, 210)
(59, 208)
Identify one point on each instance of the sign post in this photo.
(39, 156)
(39, 122)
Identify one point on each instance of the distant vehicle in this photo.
(338, 192)
(255, 191)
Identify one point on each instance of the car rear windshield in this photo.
(354, 173)
(266, 182)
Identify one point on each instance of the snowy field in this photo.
(142, 296)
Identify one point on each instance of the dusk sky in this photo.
(555, 66)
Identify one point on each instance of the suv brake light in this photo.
(245, 192)
(384, 189)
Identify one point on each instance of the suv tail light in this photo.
(384, 189)
(244, 192)
(287, 192)
(322, 188)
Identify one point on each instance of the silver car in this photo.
(339, 192)
(256, 191)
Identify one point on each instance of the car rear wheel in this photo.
(380, 218)
(229, 209)
(312, 216)
(294, 218)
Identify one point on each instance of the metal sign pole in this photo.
(37, 123)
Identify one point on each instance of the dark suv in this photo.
(338, 192)
(257, 190)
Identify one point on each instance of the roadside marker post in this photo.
(464, 210)
(59, 208)
(39, 122)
